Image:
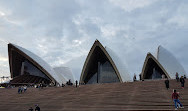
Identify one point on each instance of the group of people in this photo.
(40, 86)
(134, 77)
(181, 80)
(140, 77)
(22, 89)
(37, 108)
(175, 95)
(69, 83)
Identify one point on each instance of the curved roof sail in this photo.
(14, 51)
(169, 62)
(100, 66)
(123, 71)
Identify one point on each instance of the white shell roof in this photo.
(123, 71)
(169, 62)
(65, 72)
(43, 64)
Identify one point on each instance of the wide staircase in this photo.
(140, 95)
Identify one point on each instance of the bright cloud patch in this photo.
(2, 14)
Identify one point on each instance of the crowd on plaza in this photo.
(181, 80)
(175, 94)
(69, 83)
(41, 85)
(22, 89)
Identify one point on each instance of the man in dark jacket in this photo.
(167, 83)
(182, 82)
(177, 77)
(140, 77)
(76, 83)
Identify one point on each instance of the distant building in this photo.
(28, 68)
(163, 63)
(103, 66)
(65, 72)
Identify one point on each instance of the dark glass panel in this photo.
(20, 63)
(30, 69)
(99, 69)
(152, 70)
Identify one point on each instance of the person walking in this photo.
(76, 83)
(176, 100)
(25, 88)
(140, 77)
(63, 85)
(19, 90)
(178, 105)
(182, 82)
(134, 78)
(177, 77)
(37, 108)
(167, 83)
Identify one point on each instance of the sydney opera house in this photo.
(102, 65)
(28, 68)
(163, 63)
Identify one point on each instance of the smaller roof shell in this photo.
(166, 61)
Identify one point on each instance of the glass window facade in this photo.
(22, 66)
(107, 73)
(30, 69)
(99, 69)
(152, 70)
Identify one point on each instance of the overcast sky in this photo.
(63, 31)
